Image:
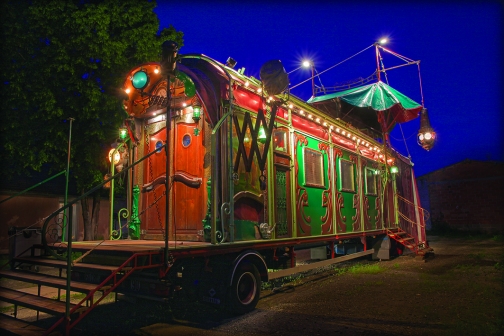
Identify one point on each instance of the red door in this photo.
(189, 202)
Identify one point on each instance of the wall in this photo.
(465, 196)
(30, 210)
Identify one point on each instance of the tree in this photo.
(69, 58)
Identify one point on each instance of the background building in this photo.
(466, 196)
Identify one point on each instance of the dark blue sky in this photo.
(459, 45)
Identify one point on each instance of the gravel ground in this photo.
(457, 292)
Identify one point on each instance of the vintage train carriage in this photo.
(227, 182)
(257, 167)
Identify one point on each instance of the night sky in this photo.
(459, 46)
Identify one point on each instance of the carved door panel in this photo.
(189, 198)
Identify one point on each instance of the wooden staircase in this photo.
(408, 241)
(67, 314)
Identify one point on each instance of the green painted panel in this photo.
(311, 182)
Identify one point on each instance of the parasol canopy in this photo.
(379, 97)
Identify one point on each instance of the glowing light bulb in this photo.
(428, 136)
(127, 90)
(259, 90)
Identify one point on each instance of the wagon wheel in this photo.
(245, 290)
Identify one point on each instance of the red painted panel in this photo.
(310, 127)
(247, 99)
(343, 141)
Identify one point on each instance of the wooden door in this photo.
(189, 202)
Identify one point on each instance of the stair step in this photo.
(63, 264)
(19, 327)
(47, 280)
(401, 240)
(34, 302)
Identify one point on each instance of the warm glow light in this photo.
(127, 90)
(337, 129)
(117, 156)
(343, 132)
(380, 156)
(325, 124)
(306, 64)
(383, 40)
(378, 150)
(291, 106)
(301, 112)
(428, 136)
(259, 90)
(247, 84)
(310, 116)
(156, 71)
(184, 104)
(331, 127)
(348, 135)
(317, 120)
(353, 138)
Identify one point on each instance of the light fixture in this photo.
(426, 135)
(139, 80)
(123, 133)
(261, 136)
(156, 70)
(117, 156)
(306, 64)
(247, 83)
(259, 90)
(196, 112)
(231, 62)
(383, 41)
(127, 90)
(394, 170)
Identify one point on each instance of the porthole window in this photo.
(159, 144)
(186, 140)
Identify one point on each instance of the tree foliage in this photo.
(64, 59)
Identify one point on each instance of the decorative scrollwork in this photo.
(117, 234)
(225, 211)
(53, 231)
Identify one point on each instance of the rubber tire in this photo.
(245, 290)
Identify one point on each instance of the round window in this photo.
(186, 140)
(159, 144)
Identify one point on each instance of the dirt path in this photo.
(458, 292)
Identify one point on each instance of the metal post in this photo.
(66, 181)
(169, 66)
(377, 62)
(69, 267)
(111, 196)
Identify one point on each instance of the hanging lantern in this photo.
(261, 137)
(123, 133)
(117, 156)
(426, 135)
(196, 112)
